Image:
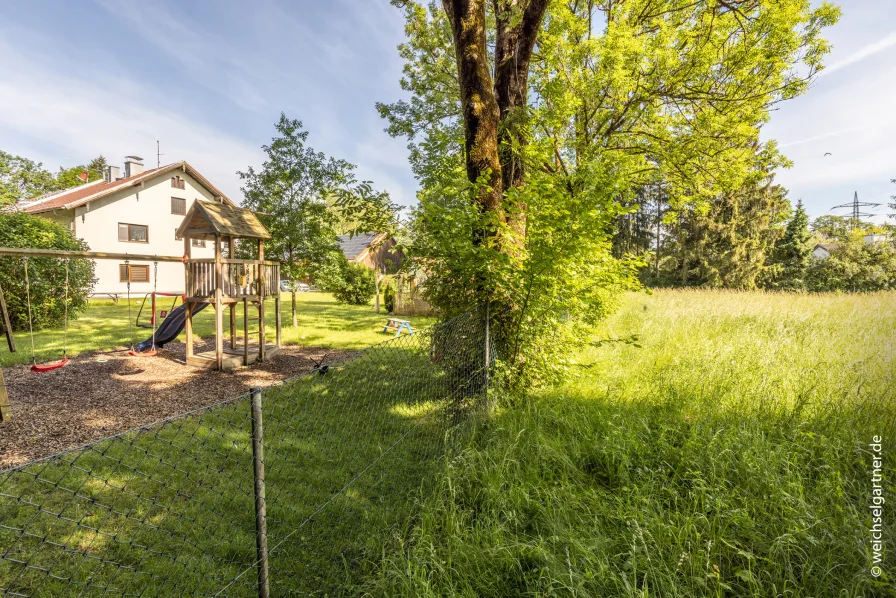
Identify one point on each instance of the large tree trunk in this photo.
(514, 43)
(495, 118)
(480, 109)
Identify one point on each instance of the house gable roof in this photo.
(206, 219)
(355, 247)
(827, 246)
(82, 194)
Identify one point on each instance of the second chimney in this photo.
(112, 174)
(133, 165)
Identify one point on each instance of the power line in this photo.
(856, 206)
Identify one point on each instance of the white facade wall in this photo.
(149, 205)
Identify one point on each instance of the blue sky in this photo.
(209, 79)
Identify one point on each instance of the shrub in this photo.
(856, 267)
(389, 297)
(329, 275)
(358, 285)
(46, 275)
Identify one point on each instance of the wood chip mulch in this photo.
(100, 394)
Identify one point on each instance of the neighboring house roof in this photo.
(828, 246)
(207, 219)
(355, 247)
(82, 194)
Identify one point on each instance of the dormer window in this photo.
(177, 183)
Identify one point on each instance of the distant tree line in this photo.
(22, 179)
(748, 238)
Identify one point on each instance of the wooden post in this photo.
(188, 293)
(6, 326)
(261, 526)
(261, 286)
(277, 309)
(5, 408)
(219, 310)
(231, 248)
(245, 330)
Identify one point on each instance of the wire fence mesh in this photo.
(170, 508)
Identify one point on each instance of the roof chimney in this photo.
(112, 174)
(133, 165)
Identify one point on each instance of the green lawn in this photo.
(169, 510)
(708, 444)
(711, 444)
(104, 326)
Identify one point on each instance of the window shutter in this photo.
(123, 272)
(139, 273)
(123, 232)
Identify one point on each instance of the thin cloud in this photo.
(861, 54)
(819, 137)
(78, 118)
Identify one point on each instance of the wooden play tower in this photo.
(225, 283)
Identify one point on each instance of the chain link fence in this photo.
(291, 490)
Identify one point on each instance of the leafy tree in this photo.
(70, 177)
(357, 285)
(46, 275)
(290, 192)
(832, 227)
(361, 209)
(855, 266)
(21, 178)
(520, 195)
(792, 253)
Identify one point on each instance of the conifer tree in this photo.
(790, 259)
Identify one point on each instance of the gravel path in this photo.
(100, 394)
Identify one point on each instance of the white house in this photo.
(138, 213)
(823, 251)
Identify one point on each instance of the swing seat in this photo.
(49, 367)
(151, 353)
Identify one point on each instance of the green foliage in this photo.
(641, 99)
(831, 227)
(357, 287)
(290, 191)
(725, 242)
(21, 178)
(70, 177)
(329, 276)
(389, 296)
(46, 275)
(792, 253)
(855, 266)
(724, 454)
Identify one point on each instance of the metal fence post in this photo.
(261, 526)
(487, 351)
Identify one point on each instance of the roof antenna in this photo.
(159, 154)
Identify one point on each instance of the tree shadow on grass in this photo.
(169, 509)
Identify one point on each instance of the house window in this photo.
(198, 242)
(177, 183)
(133, 233)
(178, 206)
(128, 273)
